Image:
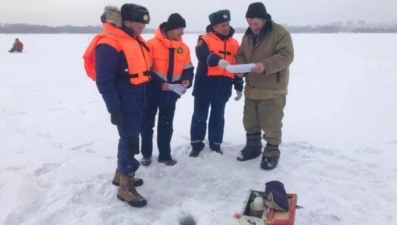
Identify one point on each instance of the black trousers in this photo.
(164, 128)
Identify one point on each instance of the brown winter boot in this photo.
(127, 192)
(116, 179)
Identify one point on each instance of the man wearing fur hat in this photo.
(119, 61)
(171, 66)
(213, 83)
(269, 46)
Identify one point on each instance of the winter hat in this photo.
(112, 15)
(220, 16)
(175, 20)
(256, 10)
(135, 13)
(275, 196)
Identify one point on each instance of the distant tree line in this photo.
(333, 29)
(337, 29)
(41, 29)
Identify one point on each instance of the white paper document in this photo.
(178, 88)
(241, 68)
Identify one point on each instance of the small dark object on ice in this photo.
(187, 220)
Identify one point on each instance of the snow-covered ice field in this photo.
(339, 153)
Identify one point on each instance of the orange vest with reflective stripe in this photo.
(160, 52)
(138, 58)
(227, 49)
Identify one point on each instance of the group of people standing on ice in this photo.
(136, 77)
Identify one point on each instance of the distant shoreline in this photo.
(41, 29)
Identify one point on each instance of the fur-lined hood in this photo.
(112, 15)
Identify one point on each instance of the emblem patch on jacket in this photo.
(179, 50)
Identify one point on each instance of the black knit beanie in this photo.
(256, 10)
(175, 20)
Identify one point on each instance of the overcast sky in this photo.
(291, 12)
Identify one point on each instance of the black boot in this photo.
(218, 151)
(194, 153)
(169, 162)
(146, 161)
(196, 149)
(270, 158)
(253, 147)
(216, 148)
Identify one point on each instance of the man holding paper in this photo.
(213, 84)
(172, 73)
(270, 47)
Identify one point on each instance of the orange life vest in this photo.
(227, 49)
(138, 58)
(159, 49)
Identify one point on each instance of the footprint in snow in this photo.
(46, 168)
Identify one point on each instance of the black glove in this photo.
(117, 118)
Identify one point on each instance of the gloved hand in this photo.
(239, 95)
(223, 63)
(117, 118)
